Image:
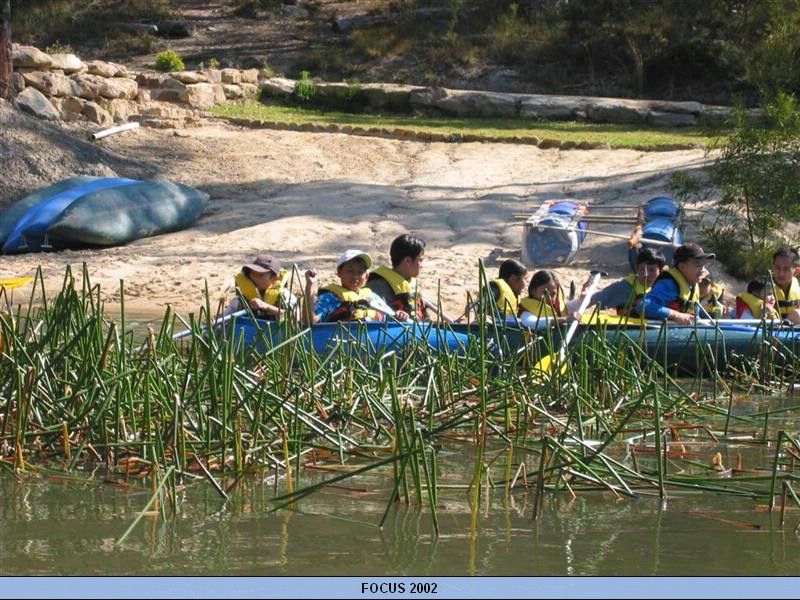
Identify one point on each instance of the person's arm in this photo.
(265, 308)
(654, 304)
(794, 316)
(310, 297)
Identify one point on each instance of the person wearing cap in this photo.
(349, 300)
(675, 295)
(785, 261)
(625, 294)
(261, 284)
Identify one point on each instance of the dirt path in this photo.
(307, 196)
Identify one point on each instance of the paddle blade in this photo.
(548, 366)
(14, 282)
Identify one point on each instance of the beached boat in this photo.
(98, 212)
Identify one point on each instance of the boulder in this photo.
(607, 110)
(97, 114)
(670, 119)
(30, 57)
(163, 111)
(101, 68)
(213, 75)
(121, 110)
(122, 70)
(167, 95)
(189, 76)
(89, 86)
(426, 97)
(118, 88)
(278, 86)
(68, 63)
(18, 81)
(538, 106)
(203, 95)
(52, 84)
(151, 80)
(250, 75)
(690, 108)
(231, 76)
(70, 108)
(249, 90)
(232, 92)
(388, 95)
(34, 102)
(479, 104)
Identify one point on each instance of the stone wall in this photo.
(63, 87)
(468, 103)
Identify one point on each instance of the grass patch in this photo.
(614, 135)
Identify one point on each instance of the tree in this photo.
(6, 89)
(758, 171)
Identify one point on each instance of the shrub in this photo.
(304, 88)
(729, 240)
(169, 60)
(213, 63)
(58, 47)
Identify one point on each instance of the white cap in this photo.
(351, 254)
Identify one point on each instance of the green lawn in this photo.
(614, 135)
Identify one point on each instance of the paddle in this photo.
(380, 306)
(442, 314)
(14, 282)
(549, 363)
(618, 236)
(219, 321)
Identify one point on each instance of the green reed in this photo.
(79, 390)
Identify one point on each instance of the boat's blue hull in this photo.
(361, 338)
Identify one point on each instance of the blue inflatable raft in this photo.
(93, 211)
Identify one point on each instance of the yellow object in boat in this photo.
(14, 282)
(596, 318)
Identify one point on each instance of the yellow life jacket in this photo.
(405, 292)
(354, 305)
(639, 291)
(747, 301)
(712, 301)
(688, 296)
(541, 308)
(507, 302)
(788, 302)
(272, 295)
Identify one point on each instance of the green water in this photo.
(54, 525)
(59, 527)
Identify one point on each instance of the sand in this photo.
(306, 197)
